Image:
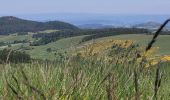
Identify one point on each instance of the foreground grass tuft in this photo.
(84, 78)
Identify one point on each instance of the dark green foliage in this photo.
(115, 31)
(5, 43)
(2, 43)
(49, 49)
(165, 32)
(14, 42)
(11, 24)
(54, 36)
(9, 45)
(14, 56)
(23, 33)
(20, 41)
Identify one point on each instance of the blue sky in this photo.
(85, 6)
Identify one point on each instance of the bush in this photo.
(14, 56)
(2, 43)
(48, 49)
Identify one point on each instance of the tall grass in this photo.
(83, 78)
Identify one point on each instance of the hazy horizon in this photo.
(89, 11)
(86, 18)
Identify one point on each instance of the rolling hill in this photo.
(10, 24)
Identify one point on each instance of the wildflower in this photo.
(154, 62)
(165, 58)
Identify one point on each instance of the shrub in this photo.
(14, 56)
(48, 49)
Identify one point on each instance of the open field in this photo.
(110, 69)
(142, 39)
(63, 45)
(40, 52)
(12, 38)
(73, 42)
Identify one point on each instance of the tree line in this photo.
(44, 38)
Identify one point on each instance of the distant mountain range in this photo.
(10, 24)
(94, 26)
(150, 25)
(147, 25)
(92, 18)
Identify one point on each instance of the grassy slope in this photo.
(40, 52)
(61, 46)
(64, 44)
(83, 78)
(13, 37)
(91, 78)
(162, 41)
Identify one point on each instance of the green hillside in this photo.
(68, 44)
(60, 46)
(162, 41)
(73, 76)
(40, 52)
(10, 24)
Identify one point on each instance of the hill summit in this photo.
(11, 24)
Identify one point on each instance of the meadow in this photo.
(70, 44)
(105, 68)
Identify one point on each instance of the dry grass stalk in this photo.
(150, 44)
(156, 35)
(136, 85)
(158, 75)
(157, 81)
(7, 59)
(110, 88)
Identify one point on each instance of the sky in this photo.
(85, 6)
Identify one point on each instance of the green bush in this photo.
(14, 56)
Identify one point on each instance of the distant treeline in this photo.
(14, 42)
(115, 31)
(165, 32)
(22, 33)
(44, 38)
(13, 56)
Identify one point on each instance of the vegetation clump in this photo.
(14, 56)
